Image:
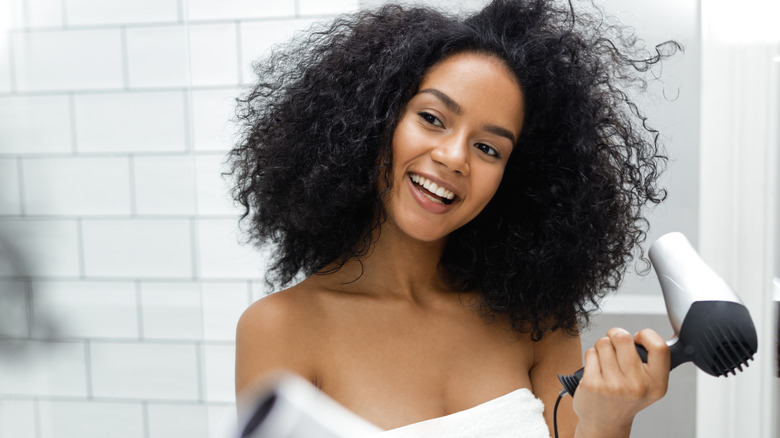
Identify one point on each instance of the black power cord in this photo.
(555, 411)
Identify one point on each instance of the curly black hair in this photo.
(567, 217)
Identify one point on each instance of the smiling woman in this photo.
(457, 193)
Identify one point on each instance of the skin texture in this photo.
(388, 336)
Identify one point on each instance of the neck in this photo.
(397, 266)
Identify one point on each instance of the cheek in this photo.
(407, 143)
(488, 187)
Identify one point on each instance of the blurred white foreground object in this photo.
(286, 405)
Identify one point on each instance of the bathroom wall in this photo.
(123, 275)
(121, 270)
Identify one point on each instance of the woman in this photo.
(457, 195)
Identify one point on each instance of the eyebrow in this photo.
(446, 100)
(456, 108)
(497, 130)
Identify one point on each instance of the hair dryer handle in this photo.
(571, 381)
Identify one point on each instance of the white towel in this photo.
(517, 414)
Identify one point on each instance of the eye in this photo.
(431, 119)
(488, 150)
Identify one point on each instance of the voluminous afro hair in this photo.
(317, 131)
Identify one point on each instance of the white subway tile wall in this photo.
(17, 418)
(78, 418)
(35, 368)
(152, 371)
(164, 185)
(14, 318)
(131, 248)
(122, 272)
(20, 124)
(5, 56)
(40, 247)
(80, 309)
(73, 59)
(66, 186)
(172, 311)
(130, 122)
(169, 420)
(114, 12)
(157, 56)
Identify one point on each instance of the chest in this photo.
(396, 369)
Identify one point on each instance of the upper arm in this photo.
(557, 353)
(272, 334)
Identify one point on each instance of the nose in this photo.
(452, 152)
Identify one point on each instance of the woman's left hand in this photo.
(616, 384)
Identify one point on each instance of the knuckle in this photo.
(635, 391)
(602, 343)
(620, 335)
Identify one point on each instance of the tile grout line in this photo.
(139, 310)
(200, 347)
(64, 4)
(22, 192)
(239, 50)
(166, 23)
(88, 368)
(26, 14)
(125, 57)
(12, 64)
(180, 10)
(37, 417)
(82, 256)
(132, 187)
(30, 314)
(99, 279)
(200, 353)
(188, 123)
(182, 153)
(74, 138)
(127, 340)
(195, 249)
(114, 90)
(145, 418)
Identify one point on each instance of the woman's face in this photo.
(452, 144)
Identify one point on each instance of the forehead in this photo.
(482, 85)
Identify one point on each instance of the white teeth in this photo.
(432, 187)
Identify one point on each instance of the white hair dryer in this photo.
(712, 327)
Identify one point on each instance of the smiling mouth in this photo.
(431, 190)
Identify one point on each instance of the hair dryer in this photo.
(712, 328)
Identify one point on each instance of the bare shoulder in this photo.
(279, 331)
(557, 353)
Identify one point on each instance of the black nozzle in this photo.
(717, 336)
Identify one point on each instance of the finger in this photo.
(607, 358)
(592, 367)
(628, 360)
(658, 357)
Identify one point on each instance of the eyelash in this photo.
(491, 150)
(430, 118)
(433, 120)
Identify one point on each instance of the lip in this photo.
(424, 201)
